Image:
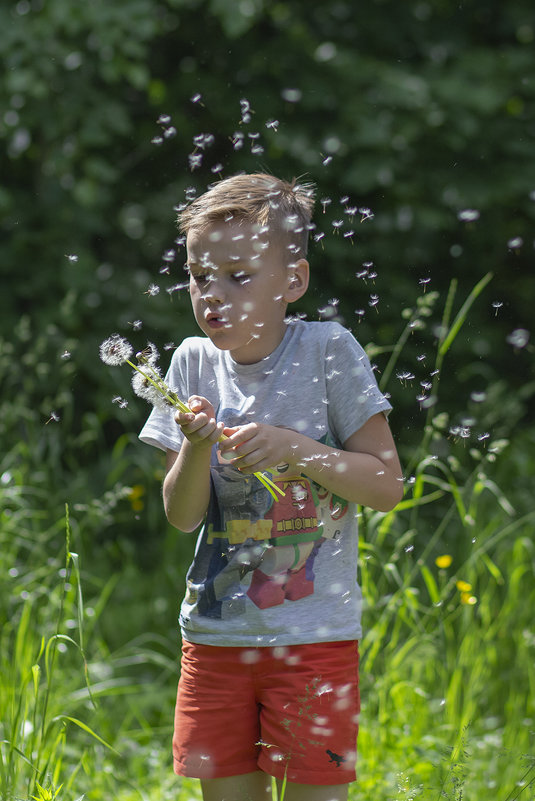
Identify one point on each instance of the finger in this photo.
(183, 418)
(209, 432)
(193, 422)
(197, 403)
(215, 434)
(240, 435)
(229, 431)
(251, 462)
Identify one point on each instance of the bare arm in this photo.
(365, 471)
(186, 487)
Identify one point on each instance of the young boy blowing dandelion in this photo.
(271, 617)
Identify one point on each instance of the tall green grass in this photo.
(448, 665)
(88, 653)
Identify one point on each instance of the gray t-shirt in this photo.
(274, 573)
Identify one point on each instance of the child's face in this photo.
(239, 287)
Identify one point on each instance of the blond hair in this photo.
(281, 208)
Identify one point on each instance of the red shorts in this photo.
(289, 710)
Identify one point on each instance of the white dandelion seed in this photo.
(122, 403)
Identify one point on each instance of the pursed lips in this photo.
(215, 320)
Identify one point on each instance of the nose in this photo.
(213, 290)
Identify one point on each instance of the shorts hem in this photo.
(211, 772)
(304, 776)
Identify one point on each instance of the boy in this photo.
(271, 617)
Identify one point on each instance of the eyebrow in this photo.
(232, 263)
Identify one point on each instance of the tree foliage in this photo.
(116, 113)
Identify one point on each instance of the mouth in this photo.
(215, 321)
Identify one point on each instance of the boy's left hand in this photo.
(258, 446)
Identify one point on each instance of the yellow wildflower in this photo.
(463, 586)
(444, 561)
(468, 598)
(135, 497)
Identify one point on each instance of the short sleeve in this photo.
(352, 392)
(161, 430)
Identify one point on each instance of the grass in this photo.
(88, 654)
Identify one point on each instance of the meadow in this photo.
(89, 646)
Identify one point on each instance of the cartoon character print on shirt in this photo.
(256, 548)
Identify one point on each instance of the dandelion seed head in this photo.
(146, 390)
(115, 350)
(149, 355)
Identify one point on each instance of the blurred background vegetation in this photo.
(417, 123)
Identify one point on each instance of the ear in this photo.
(298, 277)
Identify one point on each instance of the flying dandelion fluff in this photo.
(147, 383)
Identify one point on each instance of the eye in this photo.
(241, 277)
(199, 278)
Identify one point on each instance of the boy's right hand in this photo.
(199, 426)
